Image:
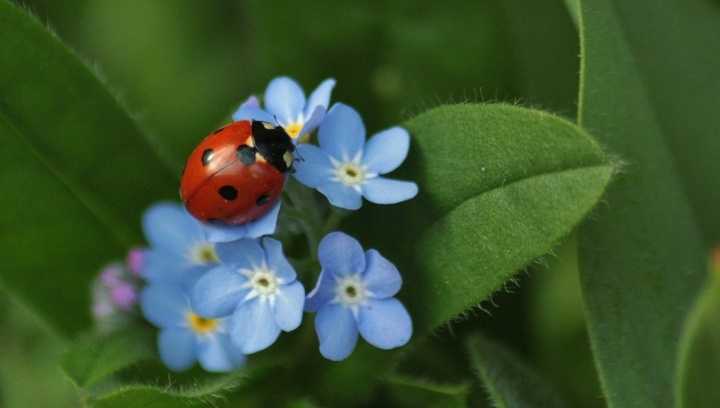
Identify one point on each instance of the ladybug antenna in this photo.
(297, 153)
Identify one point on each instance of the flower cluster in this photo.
(115, 292)
(218, 293)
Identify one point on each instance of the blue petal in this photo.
(177, 348)
(162, 267)
(320, 98)
(235, 355)
(384, 323)
(381, 277)
(314, 166)
(218, 292)
(253, 326)
(165, 305)
(169, 227)
(223, 233)
(252, 113)
(341, 254)
(245, 253)
(380, 190)
(341, 195)
(284, 99)
(337, 331)
(251, 102)
(386, 151)
(265, 225)
(313, 121)
(276, 260)
(217, 354)
(288, 308)
(323, 293)
(342, 133)
(188, 277)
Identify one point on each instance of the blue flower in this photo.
(354, 294)
(258, 287)
(345, 168)
(179, 249)
(285, 103)
(186, 337)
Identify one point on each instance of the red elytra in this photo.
(226, 178)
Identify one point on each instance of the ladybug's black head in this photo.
(273, 144)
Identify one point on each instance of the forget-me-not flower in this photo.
(285, 103)
(185, 337)
(354, 294)
(257, 286)
(179, 250)
(345, 168)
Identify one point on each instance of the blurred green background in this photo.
(180, 69)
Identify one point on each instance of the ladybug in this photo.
(236, 174)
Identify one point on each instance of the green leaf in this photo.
(508, 380)
(75, 173)
(546, 50)
(641, 258)
(412, 392)
(573, 7)
(97, 357)
(91, 363)
(675, 47)
(499, 185)
(699, 366)
(205, 393)
(556, 318)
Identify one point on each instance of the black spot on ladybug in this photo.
(228, 192)
(262, 200)
(246, 154)
(217, 222)
(207, 155)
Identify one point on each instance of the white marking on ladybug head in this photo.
(288, 158)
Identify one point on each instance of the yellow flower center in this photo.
(201, 325)
(294, 129)
(204, 253)
(305, 138)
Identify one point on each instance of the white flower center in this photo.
(351, 291)
(203, 253)
(350, 172)
(263, 282)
